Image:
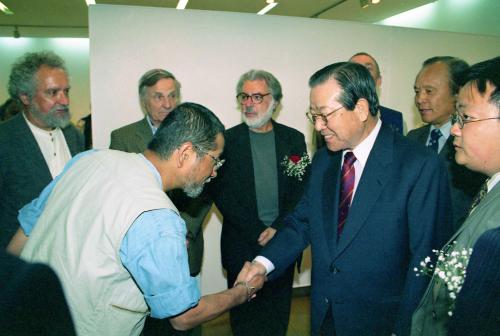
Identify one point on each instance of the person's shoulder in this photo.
(418, 131)
(292, 131)
(387, 110)
(235, 130)
(128, 128)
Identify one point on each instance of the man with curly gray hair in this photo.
(35, 144)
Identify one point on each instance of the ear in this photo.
(183, 153)
(362, 109)
(24, 99)
(378, 82)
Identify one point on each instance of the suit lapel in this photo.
(144, 134)
(375, 176)
(330, 196)
(422, 134)
(448, 151)
(37, 165)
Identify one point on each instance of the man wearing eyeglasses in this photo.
(476, 131)
(254, 193)
(375, 205)
(115, 239)
(436, 89)
(159, 94)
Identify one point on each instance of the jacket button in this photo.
(334, 269)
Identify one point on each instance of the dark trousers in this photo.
(156, 327)
(268, 313)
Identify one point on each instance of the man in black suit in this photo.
(254, 193)
(388, 116)
(436, 89)
(477, 309)
(374, 206)
(32, 300)
(35, 144)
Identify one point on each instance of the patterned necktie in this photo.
(346, 189)
(434, 141)
(479, 196)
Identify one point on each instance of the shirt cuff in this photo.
(266, 262)
(173, 303)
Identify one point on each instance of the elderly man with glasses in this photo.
(476, 131)
(253, 193)
(375, 205)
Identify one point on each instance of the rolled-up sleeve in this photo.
(154, 252)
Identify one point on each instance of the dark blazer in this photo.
(23, 170)
(477, 309)
(134, 138)
(400, 212)
(392, 118)
(233, 192)
(464, 183)
(32, 301)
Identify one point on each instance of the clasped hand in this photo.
(252, 276)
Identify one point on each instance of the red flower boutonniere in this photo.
(295, 165)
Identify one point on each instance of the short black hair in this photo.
(456, 67)
(482, 73)
(355, 81)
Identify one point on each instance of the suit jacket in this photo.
(477, 309)
(464, 183)
(23, 170)
(32, 300)
(399, 213)
(134, 138)
(392, 118)
(233, 192)
(431, 317)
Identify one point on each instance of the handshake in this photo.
(252, 276)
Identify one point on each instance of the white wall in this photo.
(75, 51)
(208, 51)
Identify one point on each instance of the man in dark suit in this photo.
(159, 94)
(388, 116)
(436, 89)
(476, 132)
(34, 144)
(254, 193)
(477, 309)
(370, 222)
(32, 300)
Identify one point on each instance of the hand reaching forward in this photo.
(253, 276)
(265, 236)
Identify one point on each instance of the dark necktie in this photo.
(434, 141)
(479, 196)
(346, 189)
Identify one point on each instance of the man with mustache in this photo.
(436, 91)
(36, 144)
(254, 193)
(115, 239)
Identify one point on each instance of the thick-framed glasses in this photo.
(217, 162)
(312, 117)
(256, 98)
(459, 119)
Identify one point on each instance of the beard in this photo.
(193, 189)
(259, 121)
(51, 118)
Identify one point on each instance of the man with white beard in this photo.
(253, 193)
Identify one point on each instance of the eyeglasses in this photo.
(217, 162)
(312, 117)
(459, 119)
(256, 98)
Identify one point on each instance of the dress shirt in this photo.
(361, 152)
(493, 181)
(445, 131)
(150, 251)
(53, 146)
(151, 125)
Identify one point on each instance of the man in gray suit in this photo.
(476, 131)
(436, 89)
(35, 144)
(159, 94)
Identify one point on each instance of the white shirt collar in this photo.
(150, 123)
(363, 149)
(493, 181)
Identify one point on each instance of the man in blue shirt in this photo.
(109, 230)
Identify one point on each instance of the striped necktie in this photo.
(346, 189)
(434, 141)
